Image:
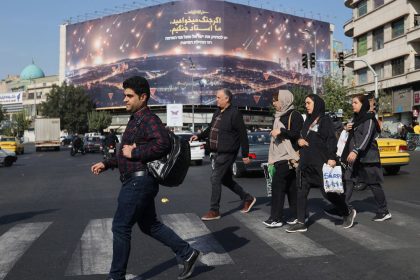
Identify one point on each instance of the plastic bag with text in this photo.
(333, 179)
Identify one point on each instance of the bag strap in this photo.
(137, 128)
(290, 119)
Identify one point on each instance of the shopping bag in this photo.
(342, 142)
(333, 179)
(269, 170)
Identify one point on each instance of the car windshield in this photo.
(259, 138)
(8, 139)
(94, 139)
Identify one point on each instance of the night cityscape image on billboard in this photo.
(187, 50)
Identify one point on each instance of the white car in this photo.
(7, 158)
(197, 148)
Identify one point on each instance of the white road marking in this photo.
(288, 245)
(190, 228)
(93, 254)
(15, 242)
(366, 237)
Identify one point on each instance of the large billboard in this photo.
(189, 49)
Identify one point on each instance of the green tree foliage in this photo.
(20, 123)
(2, 114)
(99, 120)
(335, 97)
(71, 104)
(299, 94)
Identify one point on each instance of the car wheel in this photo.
(360, 187)
(411, 146)
(199, 162)
(236, 171)
(8, 162)
(392, 170)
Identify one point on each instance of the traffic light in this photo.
(341, 59)
(305, 60)
(313, 60)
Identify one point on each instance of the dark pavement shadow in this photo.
(226, 237)
(7, 219)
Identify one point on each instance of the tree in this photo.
(2, 114)
(99, 120)
(299, 94)
(335, 97)
(20, 123)
(71, 104)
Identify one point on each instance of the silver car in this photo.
(259, 142)
(7, 158)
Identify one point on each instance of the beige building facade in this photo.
(386, 34)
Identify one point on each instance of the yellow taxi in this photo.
(394, 154)
(11, 143)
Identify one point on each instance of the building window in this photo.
(377, 3)
(362, 45)
(379, 69)
(378, 39)
(362, 8)
(416, 20)
(30, 95)
(363, 79)
(397, 28)
(417, 62)
(397, 66)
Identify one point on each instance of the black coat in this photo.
(296, 123)
(232, 132)
(322, 147)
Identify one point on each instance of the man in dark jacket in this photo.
(145, 139)
(111, 139)
(226, 133)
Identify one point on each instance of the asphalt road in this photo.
(55, 219)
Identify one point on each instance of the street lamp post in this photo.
(192, 93)
(192, 67)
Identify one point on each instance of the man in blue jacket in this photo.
(226, 134)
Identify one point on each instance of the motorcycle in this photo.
(109, 151)
(78, 148)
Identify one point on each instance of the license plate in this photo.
(388, 149)
(111, 150)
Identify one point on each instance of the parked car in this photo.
(7, 158)
(66, 140)
(259, 142)
(93, 144)
(197, 147)
(393, 154)
(12, 144)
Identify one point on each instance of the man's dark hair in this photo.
(228, 94)
(139, 85)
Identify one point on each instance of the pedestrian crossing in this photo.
(190, 228)
(286, 244)
(94, 250)
(15, 242)
(93, 253)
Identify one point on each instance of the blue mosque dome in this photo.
(31, 72)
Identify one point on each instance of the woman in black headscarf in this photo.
(361, 155)
(318, 146)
